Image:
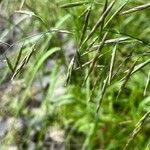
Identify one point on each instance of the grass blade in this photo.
(112, 64)
(137, 129)
(87, 16)
(23, 62)
(147, 84)
(100, 20)
(9, 64)
(74, 4)
(18, 57)
(102, 94)
(138, 8)
(116, 13)
(70, 69)
(126, 78)
(96, 57)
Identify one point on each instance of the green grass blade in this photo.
(74, 4)
(9, 64)
(100, 20)
(112, 64)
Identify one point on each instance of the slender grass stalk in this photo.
(87, 17)
(105, 83)
(138, 8)
(74, 4)
(112, 64)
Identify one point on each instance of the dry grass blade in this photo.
(112, 64)
(87, 16)
(96, 57)
(115, 41)
(110, 41)
(147, 84)
(138, 8)
(23, 62)
(102, 94)
(75, 4)
(30, 14)
(100, 20)
(137, 129)
(126, 79)
(116, 13)
(59, 31)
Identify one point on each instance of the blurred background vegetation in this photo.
(74, 74)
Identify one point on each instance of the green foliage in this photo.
(79, 66)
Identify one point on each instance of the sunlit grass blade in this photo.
(138, 8)
(70, 69)
(74, 4)
(84, 13)
(112, 64)
(100, 20)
